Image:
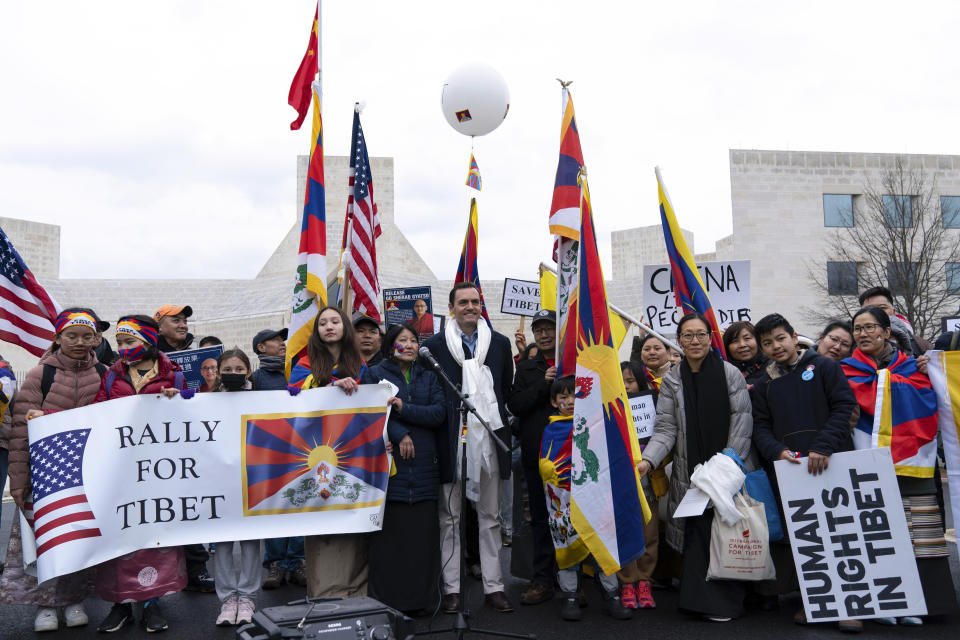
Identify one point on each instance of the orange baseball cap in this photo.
(172, 310)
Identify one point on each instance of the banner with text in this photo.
(848, 531)
(148, 471)
(644, 410)
(520, 297)
(727, 284)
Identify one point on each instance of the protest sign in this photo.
(148, 471)
(412, 306)
(520, 297)
(192, 360)
(727, 283)
(644, 411)
(850, 541)
(950, 323)
(944, 372)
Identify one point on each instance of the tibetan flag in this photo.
(607, 502)
(310, 290)
(688, 287)
(556, 448)
(898, 410)
(467, 269)
(548, 300)
(299, 97)
(317, 461)
(565, 206)
(568, 281)
(944, 372)
(473, 174)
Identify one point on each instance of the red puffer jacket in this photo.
(122, 385)
(75, 384)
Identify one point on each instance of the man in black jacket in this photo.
(470, 334)
(174, 334)
(802, 408)
(530, 402)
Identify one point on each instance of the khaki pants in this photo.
(488, 511)
(336, 565)
(642, 567)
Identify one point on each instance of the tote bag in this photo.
(741, 551)
(758, 486)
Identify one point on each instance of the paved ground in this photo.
(192, 615)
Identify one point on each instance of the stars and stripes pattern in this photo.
(473, 174)
(607, 503)
(361, 229)
(59, 511)
(467, 268)
(310, 289)
(565, 206)
(27, 312)
(688, 287)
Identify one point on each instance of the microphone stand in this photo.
(461, 626)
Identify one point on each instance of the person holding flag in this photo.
(703, 408)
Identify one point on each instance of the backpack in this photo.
(49, 371)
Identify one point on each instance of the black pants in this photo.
(196, 557)
(544, 558)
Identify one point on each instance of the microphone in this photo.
(426, 355)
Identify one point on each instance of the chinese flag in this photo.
(300, 92)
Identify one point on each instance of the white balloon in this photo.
(475, 99)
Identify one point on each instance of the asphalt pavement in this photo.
(192, 616)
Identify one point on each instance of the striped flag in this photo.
(59, 511)
(607, 504)
(309, 290)
(473, 174)
(26, 311)
(944, 371)
(299, 96)
(688, 287)
(467, 269)
(361, 228)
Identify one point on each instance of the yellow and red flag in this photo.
(299, 97)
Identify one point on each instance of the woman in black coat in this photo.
(405, 554)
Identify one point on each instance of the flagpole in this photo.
(623, 314)
(320, 48)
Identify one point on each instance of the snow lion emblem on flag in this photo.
(313, 461)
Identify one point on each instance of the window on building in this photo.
(897, 211)
(950, 209)
(901, 277)
(837, 210)
(842, 278)
(953, 278)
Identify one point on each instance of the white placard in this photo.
(520, 297)
(644, 411)
(147, 471)
(849, 536)
(727, 283)
(694, 503)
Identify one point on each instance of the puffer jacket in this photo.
(123, 386)
(75, 384)
(670, 435)
(424, 413)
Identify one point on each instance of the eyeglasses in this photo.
(208, 368)
(695, 337)
(866, 328)
(843, 344)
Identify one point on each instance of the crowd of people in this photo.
(776, 397)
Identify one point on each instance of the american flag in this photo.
(361, 229)
(26, 311)
(60, 512)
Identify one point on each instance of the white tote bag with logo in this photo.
(741, 551)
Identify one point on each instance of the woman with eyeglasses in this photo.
(913, 444)
(836, 341)
(703, 407)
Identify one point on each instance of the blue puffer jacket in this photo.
(423, 413)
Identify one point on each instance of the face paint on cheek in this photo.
(397, 348)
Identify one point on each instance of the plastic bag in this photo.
(720, 478)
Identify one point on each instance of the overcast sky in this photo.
(156, 134)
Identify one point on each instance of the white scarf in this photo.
(477, 383)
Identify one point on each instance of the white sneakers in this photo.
(46, 620)
(245, 609)
(75, 615)
(228, 613)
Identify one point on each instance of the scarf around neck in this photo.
(271, 363)
(706, 408)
